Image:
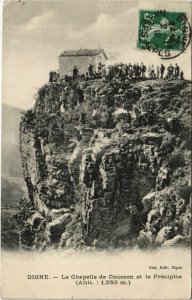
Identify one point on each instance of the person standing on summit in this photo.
(143, 70)
(177, 71)
(51, 76)
(75, 72)
(162, 70)
(152, 72)
(170, 72)
(90, 70)
(158, 72)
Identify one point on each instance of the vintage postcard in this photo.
(96, 150)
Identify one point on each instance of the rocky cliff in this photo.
(107, 164)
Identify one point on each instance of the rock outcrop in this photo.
(111, 171)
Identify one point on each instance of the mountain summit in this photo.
(107, 164)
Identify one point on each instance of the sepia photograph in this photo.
(96, 149)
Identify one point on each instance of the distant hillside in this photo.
(12, 181)
(12, 191)
(11, 161)
(9, 229)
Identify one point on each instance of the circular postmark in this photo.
(166, 33)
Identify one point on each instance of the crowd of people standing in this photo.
(123, 71)
(141, 71)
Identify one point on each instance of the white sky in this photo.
(36, 32)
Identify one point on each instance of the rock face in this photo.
(111, 171)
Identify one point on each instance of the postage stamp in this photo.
(165, 33)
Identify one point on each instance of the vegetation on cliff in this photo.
(107, 164)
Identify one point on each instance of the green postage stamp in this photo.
(165, 33)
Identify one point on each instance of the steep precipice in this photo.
(107, 164)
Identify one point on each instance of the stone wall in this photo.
(67, 63)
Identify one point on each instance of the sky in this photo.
(36, 32)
